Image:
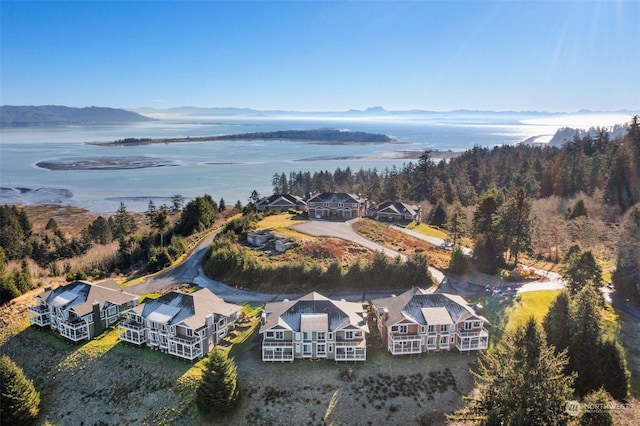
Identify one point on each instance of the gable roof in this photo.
(426, 308)
(281, 200)
(335, 197)
(313, 312)
(395, 207)
(189, 309)
(79, 297)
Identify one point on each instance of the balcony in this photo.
(472, 341)
(183, 348)
(277, 351)
(39, 315)
(132, 332)
(474, 333)
(351, 353)
(74, 330)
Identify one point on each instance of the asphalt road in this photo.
(191, 271)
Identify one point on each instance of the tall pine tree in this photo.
(521, 382)
(19, 399)
(218, 392)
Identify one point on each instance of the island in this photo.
(319, 136)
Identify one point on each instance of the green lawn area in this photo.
(507, 311)
(280, 223)
(427, 230)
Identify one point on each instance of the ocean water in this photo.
(223, 169)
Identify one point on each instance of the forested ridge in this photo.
(591, 165)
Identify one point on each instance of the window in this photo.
(431, 329)
(322, 349)
(279, 335)
(468, 325)
(298, 336)
(444, 340)
(321, 335)
(403, 329)
(476, 324)
(111, 311)
(330, 348)
(423, 329)
(278, 349)
(269, 334)
(329, 336)
(394, 328)
(444, 328)
(348, 335)
(340, 204)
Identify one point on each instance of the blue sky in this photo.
(323, 56)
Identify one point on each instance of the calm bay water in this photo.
(223, 169)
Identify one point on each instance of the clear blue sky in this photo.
(323, 56)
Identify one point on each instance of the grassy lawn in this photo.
(280, 223)
(507, 311)
(427, 230)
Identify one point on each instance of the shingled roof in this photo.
(420, 307)
(336, 197)
(79, 297)
(191, 309)
(313, 312)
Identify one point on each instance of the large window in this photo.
(403, 329)
(348, 335)
(431, 329)
(444, 328)
(321, 335)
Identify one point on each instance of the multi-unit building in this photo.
(314, 327)
(417, 321)
(392, 211)
(336, 205)
(81, 310)
(185, 325)
(280, 203)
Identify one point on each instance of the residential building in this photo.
(281, 203)
(185, 325)
(81, 310)
(336, 205)
(394, 211)
(314, 327)
(416, 322)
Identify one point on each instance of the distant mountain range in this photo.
(190, 111)
(57, 114)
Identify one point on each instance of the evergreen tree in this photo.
(584, 342)
(521, 382)
(438, 215)
(515, 224)
(613, 364)
(596, 412)
(218, 392)
(19, 399)
(124, 223)
(627, 274)
(457, 223)
(582, 270)
(556, 322)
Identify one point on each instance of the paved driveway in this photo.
(345, 231)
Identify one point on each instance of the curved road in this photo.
(191, 271)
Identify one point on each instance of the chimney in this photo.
(97, 321)
(263, 317)
(47, 287)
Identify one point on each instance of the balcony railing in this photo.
(405, 337)
(39, 315)
(280, 343)
(476, 333)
